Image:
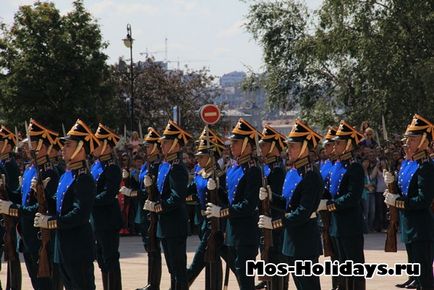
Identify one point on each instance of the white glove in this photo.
(125, 191)
(212, 210)
(20, 181)
(390, 198)
(35, 183)
(322, 205)
(388, 177)
(211, 185)
(3, 179)
(41, 220)
(125, 174)
(263, 193)
(4, 206)
(149, 205)
(265, 222)
(133, 193)
(147, 181)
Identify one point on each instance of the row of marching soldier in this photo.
(67, 219)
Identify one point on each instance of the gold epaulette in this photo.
(271, 159)
(331, 207)
(421, 156)
(302, 162)
(244, 159)
(52, 224)
(106, 157)
(277, 224)
(172, 157)
(346, 156)
(224, 212)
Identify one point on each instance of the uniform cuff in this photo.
(52, 224)
(399, 203)
(277, 224)
(331, 206)
(224, 212)
(189, 198)
(13, 211)
(158, 208)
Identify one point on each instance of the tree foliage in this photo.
(356, 59)
(53, 68)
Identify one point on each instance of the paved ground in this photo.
(134, 265)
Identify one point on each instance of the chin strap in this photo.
(4, 146)
(175, 141)
(303, 149)
(104, 147)
(243, 148)
(273, 144)
(79, 146)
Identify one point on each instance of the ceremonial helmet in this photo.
(420, 126)
(176, 133)
(40, 134)
(301, 132)
(106, 136)
(152, 138)
(7, 137)
(349, 133)
(210, 143)
(330, 135)
(243, 130)
(270, 135)
(81, 133)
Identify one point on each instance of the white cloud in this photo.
(117, 7)
(233, 30)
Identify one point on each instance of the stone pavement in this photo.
(134, 265)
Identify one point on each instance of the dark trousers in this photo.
(154, 257)
(338, 282)
(276, 257)
(422, 252)
(78, 275)
(31, 261)
(242, 255)
(305, 282)
(107, 250)
(351, 248)
(176, 260)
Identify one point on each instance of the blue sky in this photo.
(199, 32)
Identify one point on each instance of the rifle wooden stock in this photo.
(267, 234)
(391, 244)
(327, 241)
(9, 223)
(153, 218)
(44, 269)
(215, 238)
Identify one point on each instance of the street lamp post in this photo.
(128, 42)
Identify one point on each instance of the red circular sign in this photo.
(210, 114)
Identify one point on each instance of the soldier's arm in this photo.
(425, 192)
(178, 181)
(113, 177)
(84, 195)
(191, 193)
(12, 182)
(312, 191)
(247, 206)
(355, 188)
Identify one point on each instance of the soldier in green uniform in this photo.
(55, 159)
(106, 214)
(75, 195)
(41, 140)
(144, 218)
(243, 181)
(415, 186)
(172, 182)
(329, 243)
(10, 170)
(272, 144)
(346, 182)
(209, 179)
(301, 194)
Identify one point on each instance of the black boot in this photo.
(261, 285)
(402, 285)
(413, 285)
(114, 280)
(104, 276)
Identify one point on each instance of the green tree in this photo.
(157, 90)
(354, 59)
(53, 68)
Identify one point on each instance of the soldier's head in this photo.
(301, 140)
(418, 135)
(209, 148)
(42, 139)
(174, 137)
(8, 140)
(152, 143)
(79, 143)
(107, 141)
(329, 142)
(243, 138)
(346, 139)
(272, 143)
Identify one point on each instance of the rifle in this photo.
(392, 229)
(44, 269)
(153, 195)
(327, 241)
(265, 209)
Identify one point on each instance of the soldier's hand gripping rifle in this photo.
(265, 209)
(44, 270)
(9, 223)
